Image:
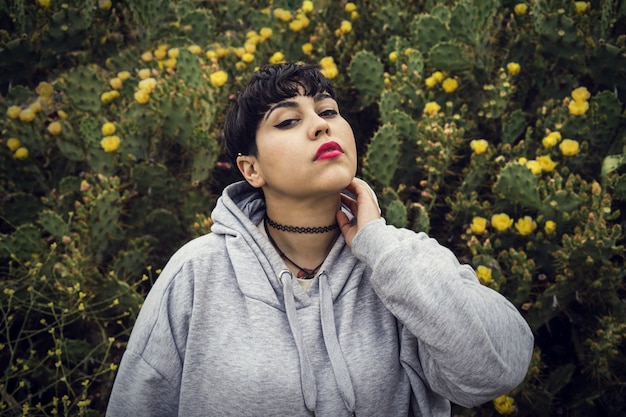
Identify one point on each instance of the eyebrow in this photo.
(291, 104)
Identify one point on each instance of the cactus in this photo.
(605, 110)
(380, 162)
(198, 25)
(450, 56)
(420, 219)
(366, 73)
(517, 184)
(513, 126)
(83, 87)
(427, 31)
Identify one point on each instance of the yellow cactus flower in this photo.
(525, 225)
(147, 85)
(62, 115)
(170, 63)
(345, 27)
(219, 78)
(110, 143)
(581, 6)
(14, 144)
(479, 146)
(430, 82)
(478, 225)
(266, 33)
(438, 76)
(13, 112)
(546, 163)
(354, 15)
(350, 7)
(21, 153)
(277, 57)
(247, 58)
(578, 108)
(450, 85)
(296, 26)
(144, 73)
(195, 49)
(147, 56)
(115, 83)
(173, 53)
(142, 96)
(569, 147)
(431, 108)
(534, 166)
(513, 68)
(44, 89)
(307, 48)
(549, 227)
(551, 140)
(123, 75)
(484, 274)
(327, 62)
(35, 106)
(108, 129)
(283, 15)
(501, 222)
(44, 3)
(581, 94)
(27, 115)
(249, 47)
(330, 73)
(109, 96)
(211, 54)
(393, 56)
(504, 404)
(160, 54)
(222, 52)
(520, 9)
(307, 6)
(104, 4)
(55, 128)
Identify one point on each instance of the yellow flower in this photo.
(479, 146)
(479, 225)
(108, 129)
(327, 62)
(393, 56)
(21, 153)
(44, 3)
(62, 115)
(484, 274)
(450, 85)
(282, 14)
(501, 222)
(504, 404)
(219, 78)
(438, 76)
(350, 7)
(266, 33)
(250, 46)
(147, 56)
(104, 4)
(569, 147)
(45, 89)
(277, 57)
(431, 108)
(330, 73)
(35, 106)
(247, 58)
(109, 96)
(521, 9)
(170, 63)
(13, 144)
(525, 226)
(142, 96)
(160, 54)
(115, 83)
(55, 128)
(296, 25)
(513, 68)
(534, 166)
(430, 82)
(13, 112)
(354, 15)
(110, 143)
(307, 48)
(144, 73)
(27, 115)
(307, 6)
(549, 227)
(346, 26)
(123, 75)
(550, 140)
(581, 94)
(147, 85)
(546, 163)
(581, 6)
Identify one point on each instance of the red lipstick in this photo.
(328, 150)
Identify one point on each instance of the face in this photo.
(304, 147)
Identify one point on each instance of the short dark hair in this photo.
(269, 85)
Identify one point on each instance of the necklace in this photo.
(304, 273)
(299, 229)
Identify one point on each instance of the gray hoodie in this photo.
(394, 326)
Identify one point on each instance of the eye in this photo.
(328, 113)
(286, 123)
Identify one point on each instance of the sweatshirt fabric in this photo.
(395, 326)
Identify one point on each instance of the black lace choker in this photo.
(299, 229)
(303, 273)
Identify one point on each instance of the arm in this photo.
(473, 344)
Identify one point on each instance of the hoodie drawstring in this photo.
(307, 377)
(329, 332)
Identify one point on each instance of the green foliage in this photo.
(471, 120)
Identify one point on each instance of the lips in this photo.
(328, 150)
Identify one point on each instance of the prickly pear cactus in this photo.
(381, 159)
(366, 73)
(83, 87)
(517, 184)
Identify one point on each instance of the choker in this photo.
(303, 273)
(298, 229)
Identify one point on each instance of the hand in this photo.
(364, 208)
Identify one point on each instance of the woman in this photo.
(302, 301)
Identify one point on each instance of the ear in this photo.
(248, 167)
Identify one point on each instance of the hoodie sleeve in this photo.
(148, 379)
(472, 343)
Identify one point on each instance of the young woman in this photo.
(302, 301)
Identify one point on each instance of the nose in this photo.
(319, 128)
